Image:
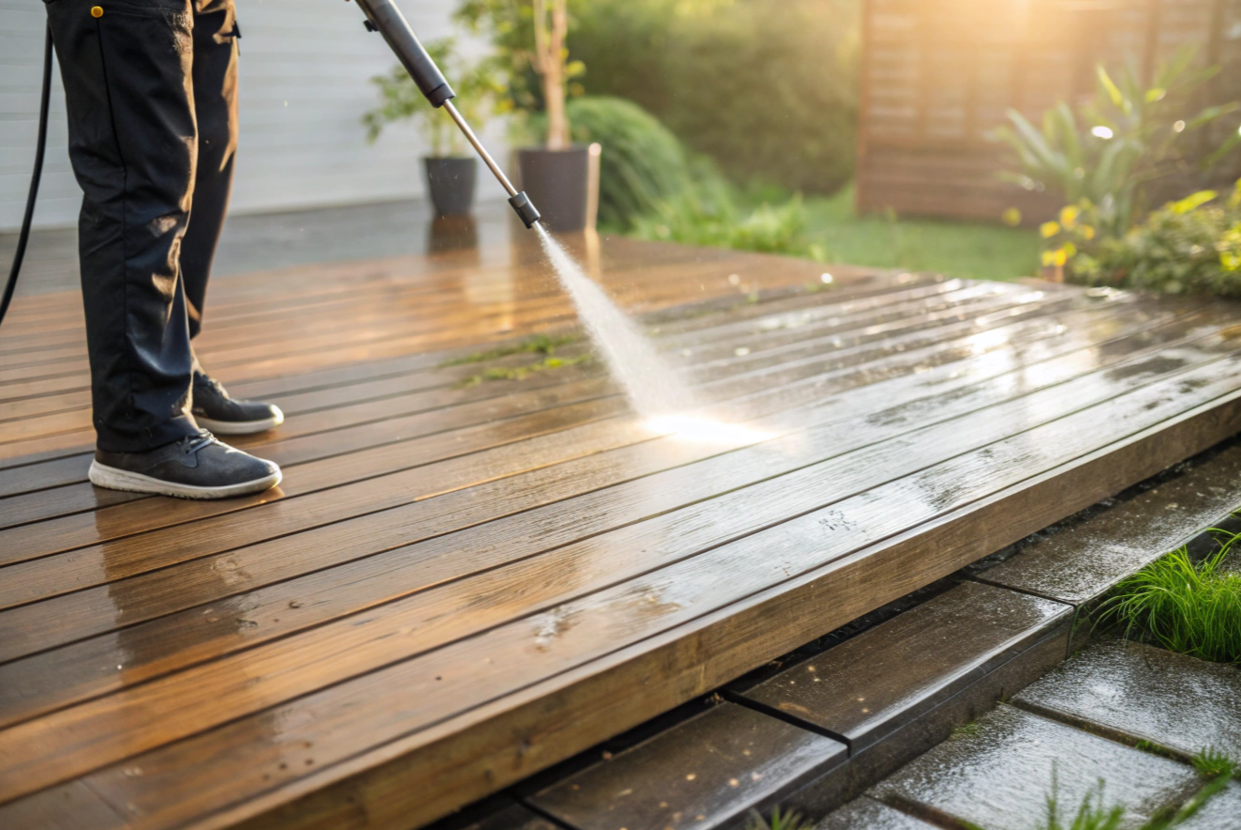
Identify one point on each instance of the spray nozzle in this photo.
(526, 211)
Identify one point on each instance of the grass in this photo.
(960, 249)
(1211, 763)
(538, 344)
(778, 821)
(1184, 606)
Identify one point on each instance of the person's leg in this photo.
(215, 102)
(126, 68)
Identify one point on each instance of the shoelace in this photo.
(193, 445)
(201, 379)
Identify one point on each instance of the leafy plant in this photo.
(1191, 245)
(707, 213)
(529, 39)
(1186, 607)
(479, 95)
(778, 821)
(1109, 150)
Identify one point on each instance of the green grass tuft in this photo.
(1211, 763)
(539, 344)
(778, 821)
(1187, 607)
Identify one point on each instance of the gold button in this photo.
(96, 11)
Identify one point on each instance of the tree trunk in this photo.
(552, 71)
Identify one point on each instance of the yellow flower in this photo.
(1049, 258)
(1061, 256)
(1068, 216)
(1069, 250)
(1049, 229)
(1011, 217)
(1086, 231)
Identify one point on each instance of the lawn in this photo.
(961, 249)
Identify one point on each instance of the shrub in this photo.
(1189, 246)
(766, 88)
(707, 213)
(642, 163)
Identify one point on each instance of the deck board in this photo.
(458, 585)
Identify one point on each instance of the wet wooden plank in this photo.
(569, 634)
(609, 508)
(564, 572)
(704, 773)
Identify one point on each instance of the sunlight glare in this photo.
(699, 429)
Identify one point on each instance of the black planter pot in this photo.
(558, 183)
(450, 181)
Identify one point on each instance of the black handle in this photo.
(389, 21)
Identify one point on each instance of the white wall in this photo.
(305, 66)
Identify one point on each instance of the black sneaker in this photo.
(215, 411)
(196, 467)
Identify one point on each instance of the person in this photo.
(151, 97)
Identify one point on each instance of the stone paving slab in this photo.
(871, 685)
(998, 773)
(703, 773)
(867, 814)
(1081, 563)
(1223, 812)
(1145, 693)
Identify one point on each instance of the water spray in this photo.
(384, 17)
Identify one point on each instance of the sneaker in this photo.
(216, 412)
(196, 467)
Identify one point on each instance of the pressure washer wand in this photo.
(384, 17)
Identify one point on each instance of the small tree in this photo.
(479, 91)
(529, 36)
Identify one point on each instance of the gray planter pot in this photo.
(450, 182)
(559, 184)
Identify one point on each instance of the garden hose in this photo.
(23, 236)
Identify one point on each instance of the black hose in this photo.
(41, 144)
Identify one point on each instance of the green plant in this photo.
(642, 162)
(1187, 607)
(778, 821)
(479, 91)
(1091, 814)
(1189, 246)
(1108, 151)
(1211, 763)
(707, 213)
(766, 88)
(529, 37)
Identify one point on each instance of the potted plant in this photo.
(529, 36)
(451, 169)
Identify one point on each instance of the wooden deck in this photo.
(459, 584)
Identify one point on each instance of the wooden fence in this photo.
(939, 75)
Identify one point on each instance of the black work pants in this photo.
(151, 93)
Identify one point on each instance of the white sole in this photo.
(112, 478)
(241, 427)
